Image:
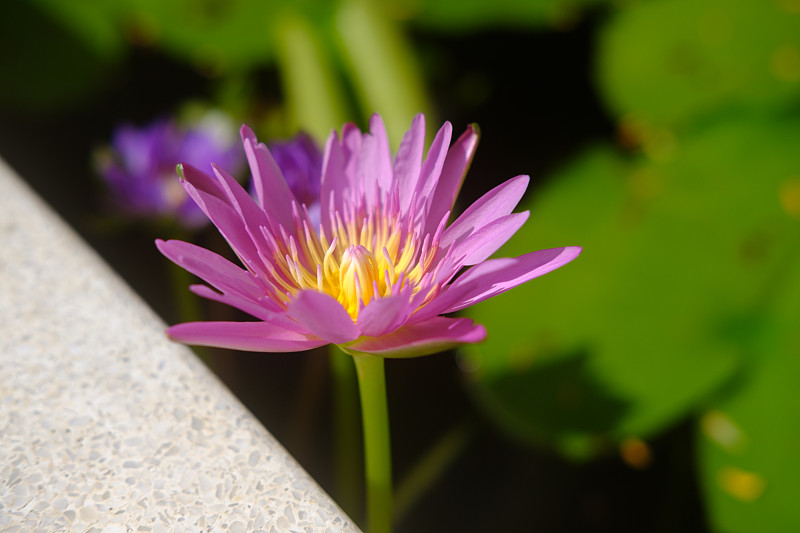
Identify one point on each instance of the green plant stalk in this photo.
(431, 467)
(347, 449)
(186, 303)
(315, 100)
(381, 65)
(377, 449)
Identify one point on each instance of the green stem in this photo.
(377, 450)
(315, 99)
(347, 449)
(381, 65)
(431, 467)
(186, 302)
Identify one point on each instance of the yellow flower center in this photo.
(358, 278)
(365, 258)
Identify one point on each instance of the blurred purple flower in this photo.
(139, 166)
(382, 267)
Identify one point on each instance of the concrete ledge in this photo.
(107, 426)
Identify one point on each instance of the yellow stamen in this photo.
(367, 257)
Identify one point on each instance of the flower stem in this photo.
(377, 450)
(347, 449)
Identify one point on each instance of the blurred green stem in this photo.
(431, 467)
(382, 66)
(315, 100)
(345, 427)
(186, 302)
(377, 449)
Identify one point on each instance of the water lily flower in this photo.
(383, 266)
(139, 165)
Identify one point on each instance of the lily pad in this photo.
(665, 62)
(748, 439)
(676, 255)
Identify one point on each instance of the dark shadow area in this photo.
(554, 398)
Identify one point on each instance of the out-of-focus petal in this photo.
(323, 316)
(139, 165)
(422, 338)
(248, 336)
(300, 161)
(384, 315)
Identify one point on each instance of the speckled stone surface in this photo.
(105, 425)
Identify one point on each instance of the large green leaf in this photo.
(650, 320)
(211, 34)
(91, 21)
(748, 460)
(381, 66)
(667, 61)
(748, 443)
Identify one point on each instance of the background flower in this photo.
(139, 165)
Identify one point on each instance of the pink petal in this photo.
(487, 240)
(423, 338)
(323, 316)
(408, 161)
(454, 169)
(338, 170)
(200, 181)
(272, 191)
(249, 306)
(230, 224)
(432, 167)
(248, 336)
(498, 275)
(384, 315)
(496, 203)
(375, 162)
(244, 204)
(351, 144)
(333, 177)
(210, 267)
